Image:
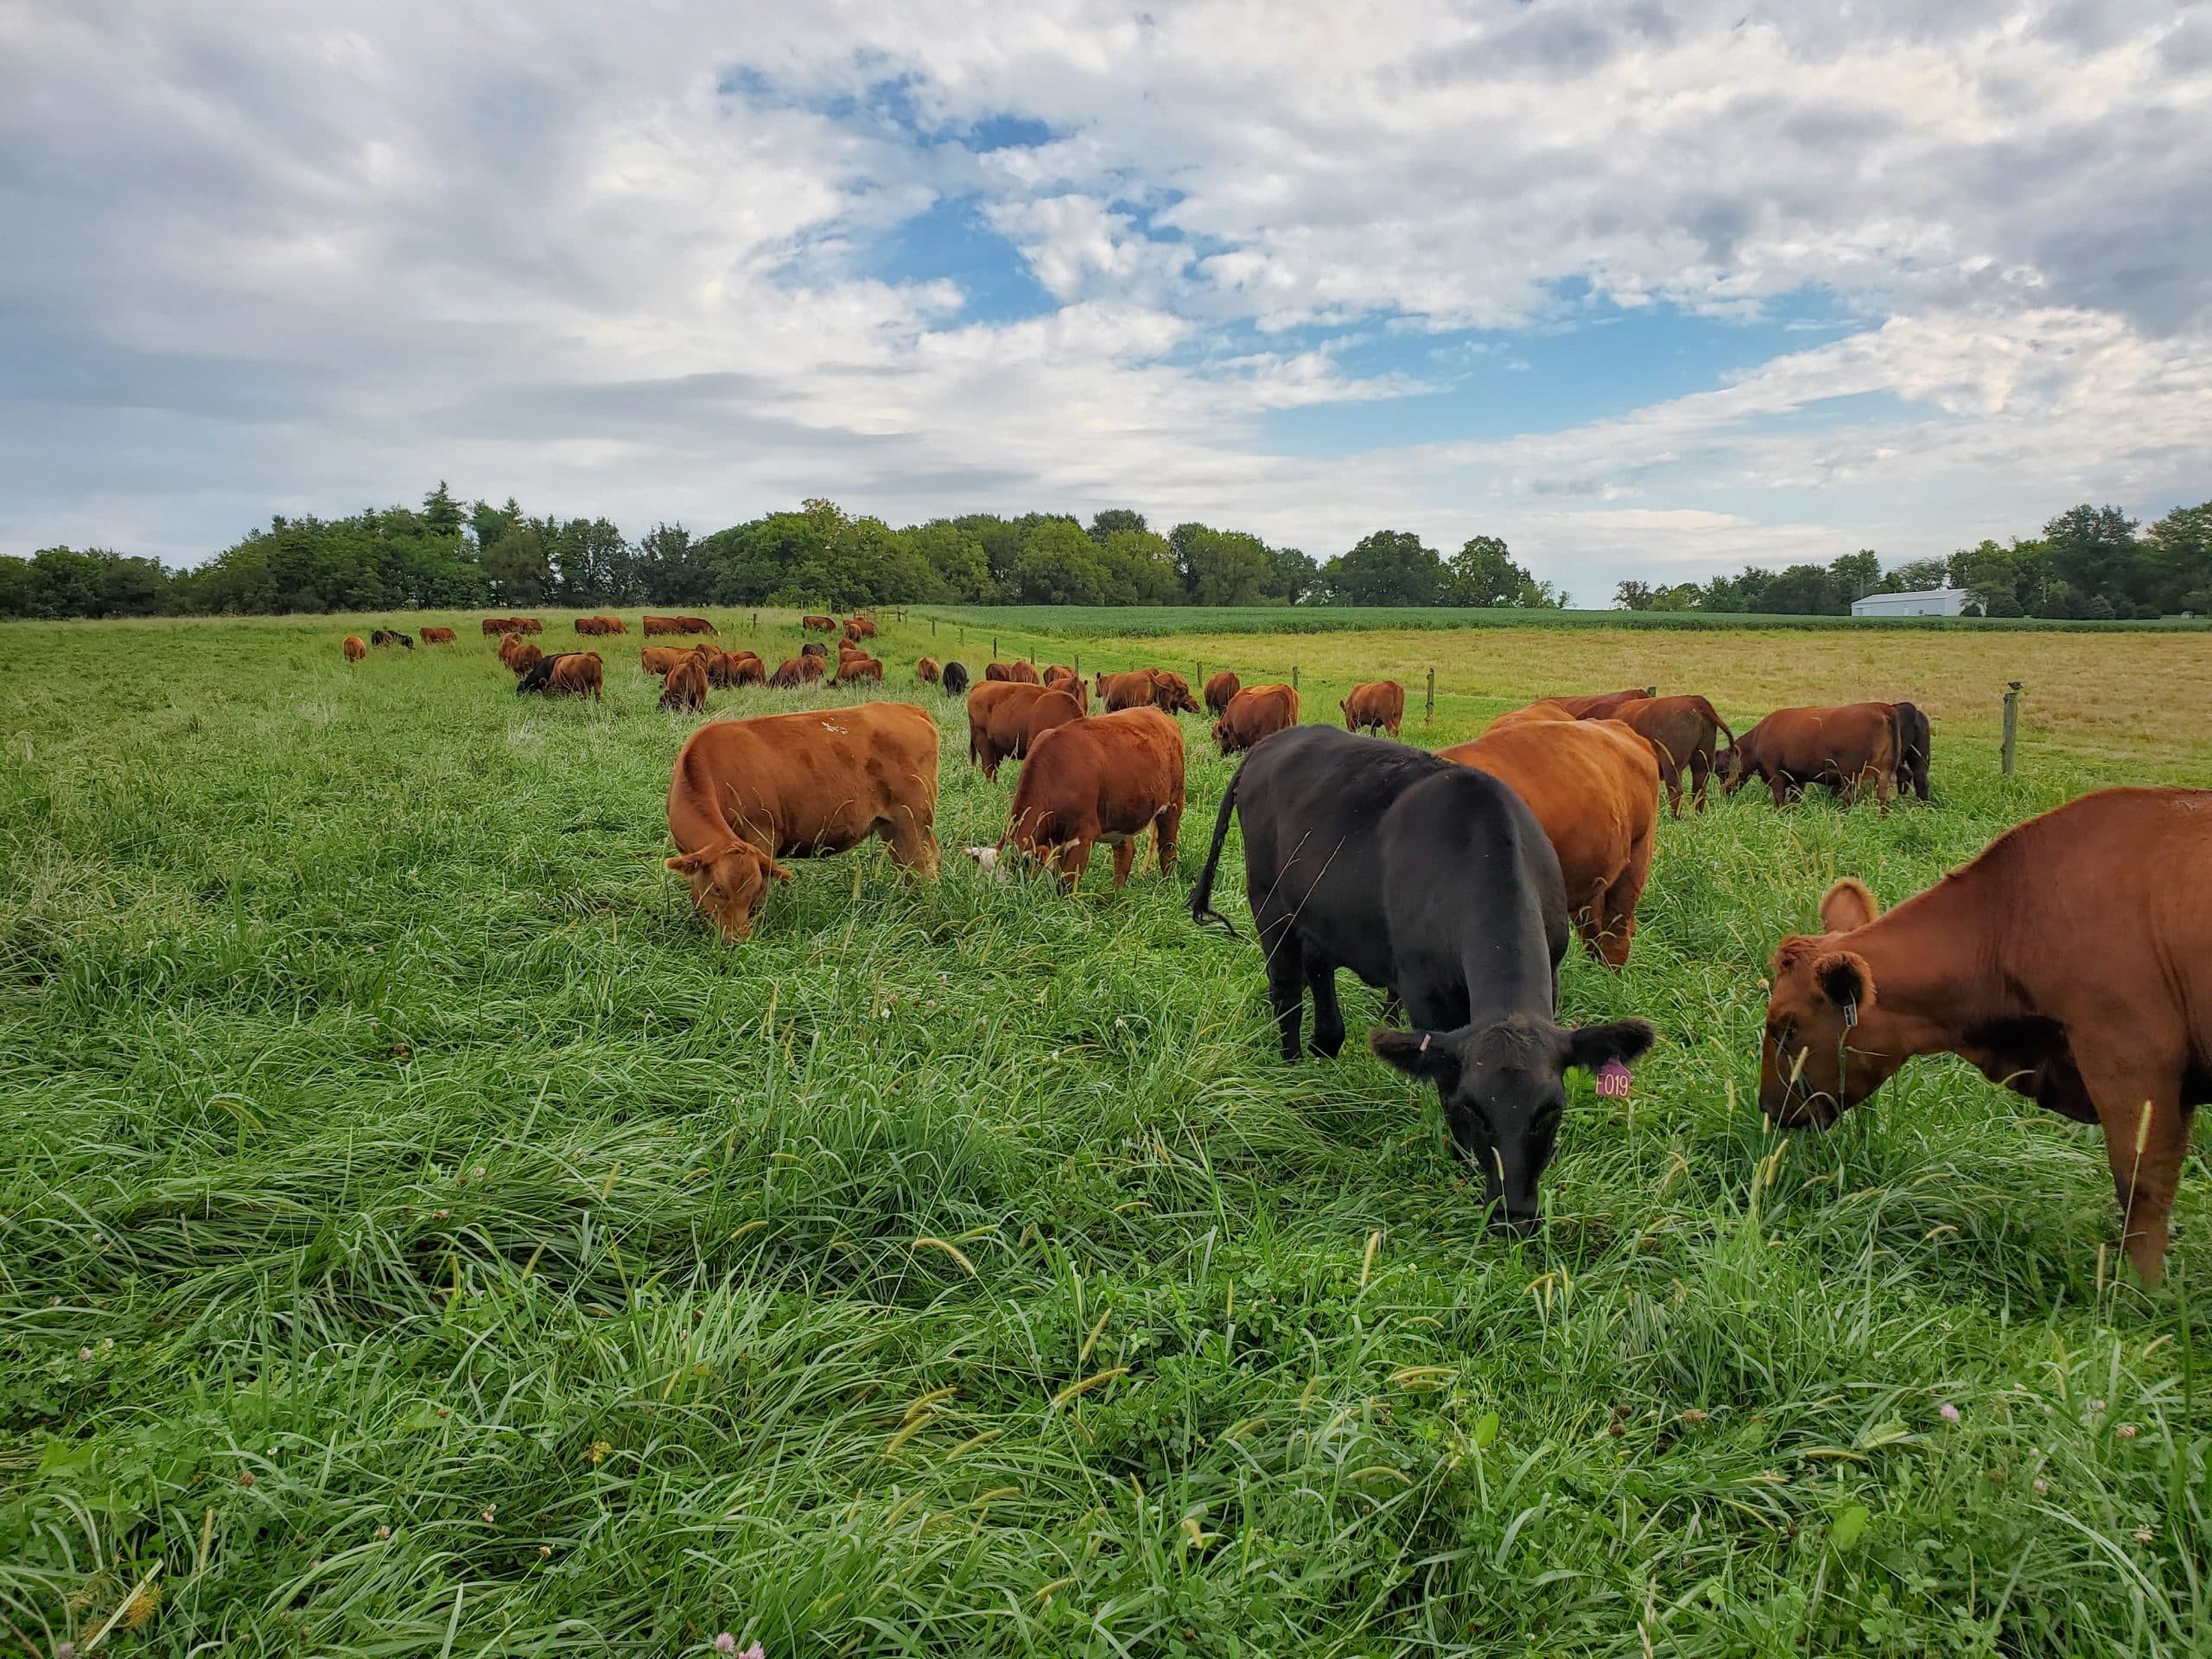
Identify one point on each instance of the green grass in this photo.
(954, 1269)
(1153, 621)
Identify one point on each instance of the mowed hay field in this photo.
(418, 1233)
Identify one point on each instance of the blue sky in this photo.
(1652, 290)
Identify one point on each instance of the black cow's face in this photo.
(1504, 1088)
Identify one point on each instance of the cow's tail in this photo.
(1714, 714)
(1202, 910)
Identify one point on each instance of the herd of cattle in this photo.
(2071, 961)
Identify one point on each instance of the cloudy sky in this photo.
(1650, 287)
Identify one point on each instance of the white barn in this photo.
(1932, 602)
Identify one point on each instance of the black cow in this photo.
(1914, 749)
(954, 681)
(1435, 883)
(391, 637)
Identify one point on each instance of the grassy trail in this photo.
(954, 1269)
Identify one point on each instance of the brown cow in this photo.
(601, 625)
(686, 686)
(658, 659)
(1255, 712)
(1005, 719)
(851, 668)
(795, 671)
(1600, 705)
(860, 627)
(815, 649)
(2071, 961)
(742, 668)
(1108, 778)
(1378, 706)
(1594, 787)
(1061, 677)
(527, 625)
(819, 624)
(1174, 694)
(1845, 747)
(1536, 714)
(926, 671)
(500, 624)
(747, 793)
(520, 654)
(353, 648)
(1220, 689)
(1169, 693)
(435, 636)
(568, 673)
(1680, 731)
(679, 625)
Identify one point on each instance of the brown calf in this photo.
(1378, 706)
(1255, 712)
(1106, 779)
(1005, 719)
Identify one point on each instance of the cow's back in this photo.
(812, 781)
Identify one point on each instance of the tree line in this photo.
(2089, 562)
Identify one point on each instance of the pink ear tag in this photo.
(1613, 1080)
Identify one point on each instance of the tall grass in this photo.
(953, 1268)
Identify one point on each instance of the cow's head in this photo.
(1504, 1088)
(729, 883)
(1829, 1043)
(1172, 693)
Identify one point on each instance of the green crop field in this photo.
(419, 1234)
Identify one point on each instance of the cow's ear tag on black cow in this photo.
(1614, 1080)
(1423, 1049)
(1850, 1011)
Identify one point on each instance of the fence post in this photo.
(932, 627)
(995, 647)
(1198, 677)
(1294, 676)
(756, 621)
(2011, 726)
(1428, 713)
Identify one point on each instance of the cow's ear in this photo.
(1418, 1054)
(1846, 980)
(1850, 904)
(689, 864)
(775, 869)
(1624, 1040)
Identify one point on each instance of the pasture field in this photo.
(419, 1234)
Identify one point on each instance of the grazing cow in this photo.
(568, 673)
(1535, 713)
(1255, 712)
(926, 671)
(1220, 689)
(1174, 694)
(747, 793)
(1681, 733)
(815, 649)
(528, 625)
(679, 625)
(854, 669)
(389, 637)
(658, 659)
(1170, 693)
(1379, 706)
(353, 648)
(999, 673)
(686, 686)
(2070, 962)
(818, 624)
(1601, 705)
(1435, 883)
(1108, 779)
(954, 681)
(1915, 747)
(1845, 747)
(1004, 718)
(860, 627)
(499, 625)
(1594, 788)
(437, 636)
(1061, 677)
(743, 668)
(795, 671)
(601, 625)
(520, 654)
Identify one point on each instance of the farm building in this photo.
(1931, 601)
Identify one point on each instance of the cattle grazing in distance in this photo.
(1378, 706)
(1220, 687)
(500, 624)
(435, 636)
(1683, 732)
(1108, 779)
(852, 669)
(658, 659)
(860, 627)
(389, 637)
(1004, 718)
(1061, 677)
(353, 648)
(815, 649)
(1594, 788)
(1546, 713)
(1014, 673)
(741, 668)
(1600, 706)
(953, 681)
(686, 687)
(601, 625)
(795, 671)
(745, 793)
(520, 654)
(1170, 693)
(926, 671)
(678, 625)
(565, 674)
(2071, 961)
(1914, 749)
(527, 625)
(818, 624)
(1255, 712)
(1846, 747)
(1435, 883)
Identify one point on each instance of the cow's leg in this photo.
(1328, 1018)
(1590, 922)
(1672, 775)
(1075, 859)
(1286, 985)
(1883, 789)
(2146, 1137)
(1700, 770)
(1620, 904)
(1167, 832)
(1125, 856)
(913, 843)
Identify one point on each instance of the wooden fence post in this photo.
(932, 627)
(1198, 677)
(1294, 676)
(2007, 754)
(1428, 713)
